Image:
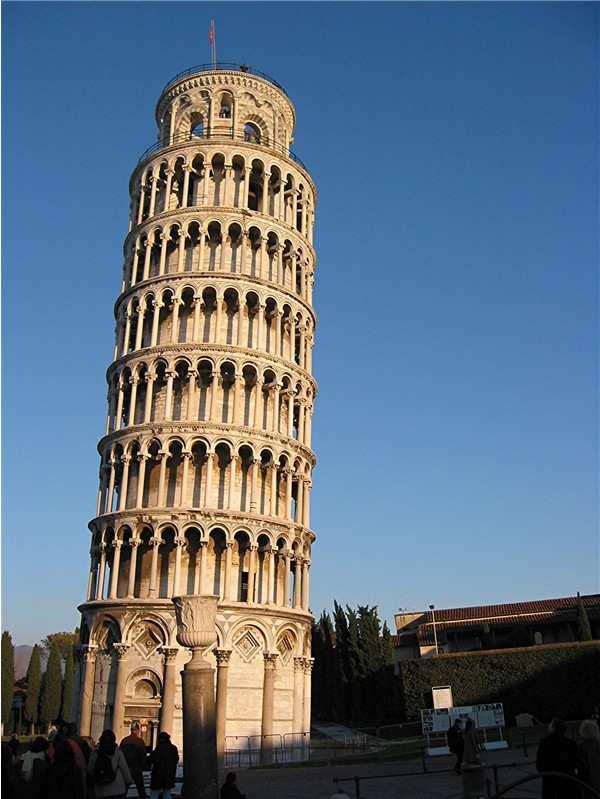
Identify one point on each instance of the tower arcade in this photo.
(206, 462)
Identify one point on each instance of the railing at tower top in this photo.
(228, 135)
(223, 65)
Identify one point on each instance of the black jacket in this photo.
(164, 761)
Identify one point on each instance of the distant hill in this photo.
(22, 658)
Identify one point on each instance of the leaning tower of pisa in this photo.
(206, 461)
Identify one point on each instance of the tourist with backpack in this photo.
(164, 761)
(108, 769)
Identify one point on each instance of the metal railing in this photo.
(230, 67)
(490, 784)
(227, 135)
(243, 751)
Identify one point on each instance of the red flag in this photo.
(211, 32)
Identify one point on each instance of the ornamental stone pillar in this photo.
(169, 686)
(270, 659)
(222, 656)
(196, 630)
(87, 689)
(117, 716)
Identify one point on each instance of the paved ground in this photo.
(317, 782)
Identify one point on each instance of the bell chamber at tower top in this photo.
(224, 137)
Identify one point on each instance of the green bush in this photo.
(554, 680)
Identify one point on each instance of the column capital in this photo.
(222, 656)
(134, 542)
(299, 664)
(180, 541)
(308, 664)
(88, 652)
(121, 650)
(117, 543)
(155, 541)
(270, 659)
(170, 653)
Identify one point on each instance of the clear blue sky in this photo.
(455, 148)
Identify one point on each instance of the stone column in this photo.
(308, 664)
(117, 715)
(297, 581)
(228, 570)
(156, 305)
(286, 580)
(271, 577)
(140, 328)
(251, 573)
(297, 723)
(87, 689)
(210, 456)
(114, 572)
(168, 698)
(273, 487)
(139, 500)
(270, 659)
(133, 543)
(125, 460)
(149, 380)
(196, 629)
(200, 568)
(101, 570)
(179, 544)
(164, 238)
(304, 592)
(156, 542)
(222, 656)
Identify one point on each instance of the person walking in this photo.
(134, 749)
(229, 789)
(108, 768)
(456, 743)
(556, 752)
(589, 754)
(164, 760)
(63, 778)
(471, 746)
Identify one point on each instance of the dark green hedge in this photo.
(556, 680)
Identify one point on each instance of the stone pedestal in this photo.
(196, 630)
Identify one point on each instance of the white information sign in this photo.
(435, 723)
(442, 696)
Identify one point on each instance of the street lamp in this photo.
(432, 609)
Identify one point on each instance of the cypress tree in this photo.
(8, 679)
(67, 693)
(51, 688)
(356, 666)
(342, 665)
(34, 681)
(584, 630)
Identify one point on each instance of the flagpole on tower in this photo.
(213, 43)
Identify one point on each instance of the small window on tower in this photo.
(251, 133)
(198, 129)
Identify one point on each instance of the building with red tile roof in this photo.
(513, 624)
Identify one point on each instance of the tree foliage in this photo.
(584, 630)
(51, 687)
(67, 693)
(552, 680)
(34, 682)
(64, 641)
(8, 678)
(353, 676)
